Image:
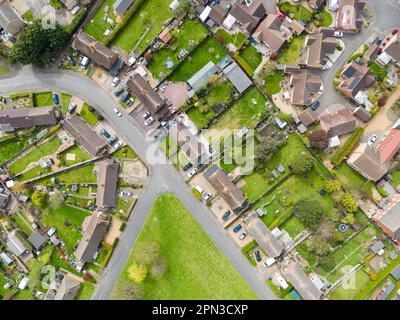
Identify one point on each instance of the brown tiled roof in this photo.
(304, 87)
(348, 15)
(27, 117)
(307, 117)
(95, 50)
(248, 17)
(393, 50)
(362, 114)
(337, 120)
(165, 35)
(232, 195)
(145, 93)
(319, 139)
(217, 14)
(69, 288)
(85, 135)
(107, 181)
(270, 34)
(357, 78)
(93, 235)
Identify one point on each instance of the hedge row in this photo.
(281, 219)
(125, 20)
(347, 147)
(246, 251)
(244, 64)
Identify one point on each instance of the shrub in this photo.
(343, 152)
(197, 194)
(246, 251)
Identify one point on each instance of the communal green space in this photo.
(273, 83)
(195, 268)
(237, 39)
(89, 114)
(208, 50)
(291, 51)
(98, 26)
(251, 56)
(186, 37)
(67, 220)
(145, 24)
(297, 12)
(45, 149)
(42, 99)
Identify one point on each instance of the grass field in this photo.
(290, 53)
(272, 83)
(33, 173)
(86, 291)
(189, 35)
(11, 147)
(80, 156)
(209, 50)
(77, 176)
(144, 26)
(67, 220)
(252, 57)
(196, 269)
(326, 19)
(98, 26)
(45, 149)
(42, 99)
(88, 115)
(226, 38)
(349, 178)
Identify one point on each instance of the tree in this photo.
(39, 199)
(319, 245)
(148, 252)
(333, 186)
(158, 269)
(56, 199)
(349, 203)
(309, 213)
(349, 219)
(326, 229)
(128, 291)
(265, 149)
(36, 43)
(302, 164)
(137, 272)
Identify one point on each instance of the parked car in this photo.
(125, 97)
(149, 121)
(207, 196)
(51, 231)
(226, 215)
(146, 115)
(56, 101)
(187, 166)
(372, 139)
(192, 173)
(258, 256)
(84, 62)
(105, 133)
(118, 91)
(75, 10)
(118, 145)
(126, 194)
(237, 228)
(71, 61)
(338, 34)
(130, 102)
(112, 140)
(117, 112)
(72, 107)
(314, 106)
(243, 235)
(115, 82)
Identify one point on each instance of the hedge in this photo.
(115, 242)
(243, 64)
(281, 219)
(347, 147)
(122, 226)
(247, 248)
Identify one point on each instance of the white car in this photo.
(75, 10)
(51, 231)
(149, 121)
(192, 173)
(85, 62)
(372, 139)
(118, 145)
(126, 194)
(338, 34)
(242, 236)
(115, 82)
(207, 196)
(117, 112)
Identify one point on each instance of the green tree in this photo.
(265, 149)
(309, 213)
(302, 164)
(56, 199)
(349, 203)
(39, 199)
(137, 272)
(319, 245)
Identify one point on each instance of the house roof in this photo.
(69, 288)
(217, 14)
(22, 118)
(85, 135)
(9, 19)
(237, 77)
(270, 33)
(315, 4)
(248, 16)
(389, 145)
(122, 6)
(145, 93)
(95, 50)
(107, 181)
(357, 78)
(3, 200)
(377, 246)
(307, 117)
(15, 245)
(165, 35)
(362, 114)
(389, 217)
(202, 77)
(396, 273)
(349, 16)
(337, 120)
(231, 194)
(304, 85)
(95, 231)
(319, 139)
(365, 160)
(393, 50)
(263, 236)
(301, 282)
(37, 240)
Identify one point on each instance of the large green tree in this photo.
(302, 164)
(309, 213)
(36, 44)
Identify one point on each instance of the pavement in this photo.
(163, 177)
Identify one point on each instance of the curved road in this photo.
(163, 178)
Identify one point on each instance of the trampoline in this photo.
(343, 227)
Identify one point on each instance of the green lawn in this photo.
(244, 113)
(291, 51)
(272, 83)
(144, 26)
(98, 26)
(4, 70)
(226, 38)
(28, 16)
(48, 148)
(350, 179)
(81, 175)
(125, 153)
(189, 35)
(251, 56)
(42, 99)
(80, 156)
(378, 72)
(11, 147)
(86, 291)
(346, 292)
(395, 175)
(67, 220)
(65, 100)
(299, 12)
(196, 269)
(88, 115)
(209, 50)
(326, 19)
(33, 173)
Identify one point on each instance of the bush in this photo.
(197, 194)
(381, 191)
(246, 251)
(122, 226)
(348, 147)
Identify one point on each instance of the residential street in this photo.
(163, 178)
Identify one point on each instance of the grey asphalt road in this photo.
(163, 177)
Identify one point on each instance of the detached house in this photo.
(390, 49)
(270, 33)
(305, 87)
(337, 120)
(247, 14)
(356, 78)
(388, 219)
(348, 18)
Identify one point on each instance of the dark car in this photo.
(105, 133)
(314, 106)
(258, 256)
(118, 91)
(237, 228)
(226, 215)
(56, 101)
(112, 140)
(125, 97)
(187, 166)
(71, 61)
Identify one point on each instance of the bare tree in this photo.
(128, 291)
(148, 252)
(158, 269)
